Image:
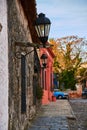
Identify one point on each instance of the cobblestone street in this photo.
(79, 107)
(53, 116)
(62, 115)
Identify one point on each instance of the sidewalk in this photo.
(53, 116)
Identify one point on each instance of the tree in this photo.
(67, 77)
(69, 55)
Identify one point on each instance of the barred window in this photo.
(23, 84)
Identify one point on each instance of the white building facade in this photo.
(4, 82)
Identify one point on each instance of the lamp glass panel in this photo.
(47, 29)
(38, 33)
(38, 30)
(44, 61)
(42, 30)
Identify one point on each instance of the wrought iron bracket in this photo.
(24, 44)
(28, 44)
(18, 54)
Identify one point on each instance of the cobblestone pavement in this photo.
(53, 116)
(79, 107)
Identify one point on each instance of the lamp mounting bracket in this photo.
(28, 44)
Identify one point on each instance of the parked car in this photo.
(60, 95)
(84, 93)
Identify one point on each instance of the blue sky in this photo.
(68, 17)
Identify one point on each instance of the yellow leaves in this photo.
(66, 51)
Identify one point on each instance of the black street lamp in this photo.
(42, 26)
(44, 60)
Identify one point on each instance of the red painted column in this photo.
(47, 77)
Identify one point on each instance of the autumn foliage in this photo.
(68, 58)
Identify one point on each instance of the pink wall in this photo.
(47, 76)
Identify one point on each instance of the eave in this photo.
(29, 7)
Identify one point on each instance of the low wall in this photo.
(75, 94)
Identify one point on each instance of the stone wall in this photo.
(18, 30)
(3, 67)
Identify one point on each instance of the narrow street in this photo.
(53, 116)
(62, 115)
(79, 107)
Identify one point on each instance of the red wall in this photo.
(47, 76)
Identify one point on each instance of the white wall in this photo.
(3, 67)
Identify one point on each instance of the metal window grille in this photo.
(23, 84)
(34, 89)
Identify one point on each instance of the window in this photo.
(45, 81)
(23, 84)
